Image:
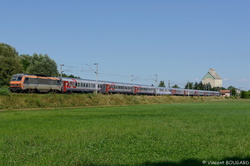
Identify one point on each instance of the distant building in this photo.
(225, 93)
(213, 78)
(238, 91)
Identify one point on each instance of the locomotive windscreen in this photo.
(17, 77)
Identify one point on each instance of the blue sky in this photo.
(177, 40)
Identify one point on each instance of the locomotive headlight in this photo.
(15, 84)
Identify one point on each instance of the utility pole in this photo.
(188, 87)
(96, 72)
(156, 77)
(61, 65)
(131, 79)
(96, 85)
(168, 83)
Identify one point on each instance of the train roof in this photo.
(39, 75)
(191, 89)
(111, 82)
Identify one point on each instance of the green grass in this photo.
(21, 101)
(165, 134)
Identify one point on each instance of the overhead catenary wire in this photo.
(83, 71)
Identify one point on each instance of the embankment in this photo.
(23, 101)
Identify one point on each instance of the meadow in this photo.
(160, 134)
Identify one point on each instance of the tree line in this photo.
(12, 63)
(196, 85)
(201, 86)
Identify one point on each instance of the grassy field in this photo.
(164, 134)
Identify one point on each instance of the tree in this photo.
(244, 94)
(201, 86)
(189, 85)
(9, 63)
(175, 86)
(42, 64)
(196, 85)
(161, 84)
(231, 87)
(26, 61)
(233, 90)
(69, 76)
(207, 86)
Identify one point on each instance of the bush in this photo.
(4, 90)
(244, 95)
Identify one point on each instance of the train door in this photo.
(185, 92)
(105, 88)
(65, 85)
(173, 91)
(136, 90)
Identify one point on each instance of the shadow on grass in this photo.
(189, 162)
(196, 162)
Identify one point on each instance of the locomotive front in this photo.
(16, 83)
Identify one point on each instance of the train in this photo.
(31, 83)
